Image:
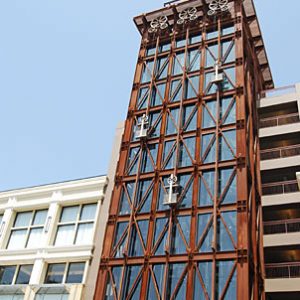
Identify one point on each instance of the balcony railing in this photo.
(279, 120)
(284, 270)
(283, 187)
(282, 226)
(280, 152)
(279, 91)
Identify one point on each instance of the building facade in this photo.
(185, 217)
(280, 162)
(48, 235)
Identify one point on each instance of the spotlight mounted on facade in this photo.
(142, 128)
(171, 197)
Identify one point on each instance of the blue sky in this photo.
(66, 70)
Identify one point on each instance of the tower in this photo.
(185, 214)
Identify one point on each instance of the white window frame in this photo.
(66, 270)
(28, 228)
(18, 267)
(76, 223)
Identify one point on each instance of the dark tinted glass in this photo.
(75, 273)
(7, 274)
(55, 273)
(24, 274)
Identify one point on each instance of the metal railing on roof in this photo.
(279, 91)
(280, 152)
(279, 120)
(283, 187)
(282, 226)
(283, 270)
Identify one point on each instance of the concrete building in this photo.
(280, 161)
(47, 239)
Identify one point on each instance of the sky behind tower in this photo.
(66, 70)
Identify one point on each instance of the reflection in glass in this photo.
(24, 274)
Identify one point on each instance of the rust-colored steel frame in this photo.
(248, 250)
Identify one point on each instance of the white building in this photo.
(48, 239)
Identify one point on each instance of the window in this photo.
(27, 229)
(76, 225)
(15, 274)
(65, 273)
(16, 295)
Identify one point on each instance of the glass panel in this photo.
(65, 235)
(143, 97)
(193, 60)
(175, 273)
(186, 187)
(40, 217)
(162, 67)
(196, 38)
(23, 219)
(160, 239)
(147, 161)
(130, 277)
(211, 55)
(147, 71)
(228, 110)
(12, 297)
(158, 271)
(84, 234)
(69, 214)
(88, 212)
(151, 51)
(228, 52)
(228, 30)
(206, 192)
(55, 273)
(144, 194)
(116, 273)
(176, 90)
(135, 248)
(205, 232)
(172, 121)
(124, 202)
(180, 43)
(1, 218)
(224, 240)
(229, 74)
(35, 236)
(189, 118)
(209, 114)
(184, 158)
(17, 239)
(120, 231)
(133, 160)
(226, 188)
(192, 87)
(158, 94)
(209, 87)
(208, 149)
(178, 64)
(214, 33)
(177, 243)
(228, 137)
(7, 274)
(51, 297)
(169, 158)
(165, 47)
(205, 270)
(223, 269)
(75, 273)
(155, 123)
(24, 274)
